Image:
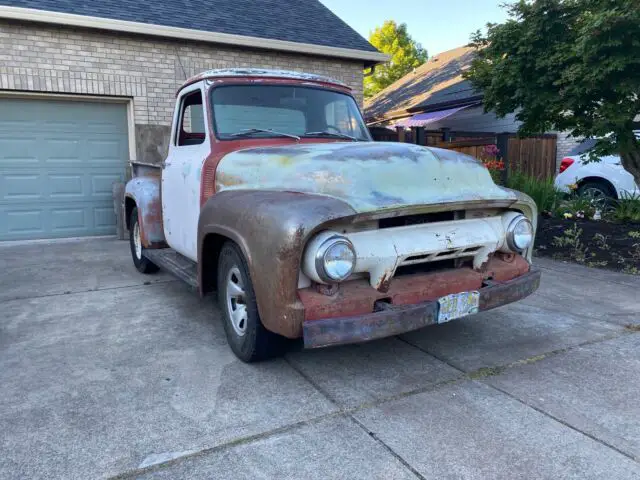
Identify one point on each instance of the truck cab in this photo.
(274, 195)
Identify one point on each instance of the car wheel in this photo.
(247, 337)
(137, 250)
(599, 191)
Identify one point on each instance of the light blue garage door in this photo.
(58, 160)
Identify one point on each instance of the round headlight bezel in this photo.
(511, 243)
(320, 258)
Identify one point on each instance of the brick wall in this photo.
(42, 58)
(565, 143)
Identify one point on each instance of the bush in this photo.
(543, 192)
(626, 209)
(578, 207)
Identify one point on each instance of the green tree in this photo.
(406, 54)
(566, 65)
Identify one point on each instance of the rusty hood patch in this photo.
(368, 176)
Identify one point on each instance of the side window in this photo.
(191, 130)
(339, 115)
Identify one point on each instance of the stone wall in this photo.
(44, 58)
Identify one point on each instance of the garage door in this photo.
(58, 160)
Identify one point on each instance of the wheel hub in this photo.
(137, 242)
(236, 304)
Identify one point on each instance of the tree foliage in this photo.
(406, 54)
(566, 65)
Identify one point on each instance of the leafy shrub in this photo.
(543, 192)
(571, 240)
(577, 206)
(626, 209)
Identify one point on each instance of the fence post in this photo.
(502, 142)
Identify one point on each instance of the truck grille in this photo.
(419, 219)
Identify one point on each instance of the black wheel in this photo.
(599, 191)
(247, 337)
(137, 251)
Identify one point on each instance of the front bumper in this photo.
(394, 320)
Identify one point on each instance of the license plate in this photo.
(458, 305)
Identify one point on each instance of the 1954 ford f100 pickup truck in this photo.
(274, 195)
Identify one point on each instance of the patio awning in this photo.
(422, 119)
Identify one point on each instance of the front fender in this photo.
(145, 192)
(271, 228)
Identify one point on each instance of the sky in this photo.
(439, 25)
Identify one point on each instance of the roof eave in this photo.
(400, 114)
(69, 19)
(461, 102)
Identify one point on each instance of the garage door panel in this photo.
(103, 150)
(22, 223)
(56, 221)
(65, 186)
(20, 187)
(102, 184)
(66, 219)
(103, 218)
(61, 150)
(22, 150)
(58, 162)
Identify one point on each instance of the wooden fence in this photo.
(534, 155)
(475, 147)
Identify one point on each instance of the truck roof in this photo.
(262, 73)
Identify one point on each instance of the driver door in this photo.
(188, 148)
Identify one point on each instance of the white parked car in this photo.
(605, 178)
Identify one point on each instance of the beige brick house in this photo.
(87, 86)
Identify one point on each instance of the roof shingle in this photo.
(302, 21)
(437, 81)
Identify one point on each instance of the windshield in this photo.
(267, 111)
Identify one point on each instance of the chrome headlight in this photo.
(519, 234)
(329, 258)
(335, 259)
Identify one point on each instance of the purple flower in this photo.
(491, 150)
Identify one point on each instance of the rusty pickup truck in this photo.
(274, 195)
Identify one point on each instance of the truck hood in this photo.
(368, 176)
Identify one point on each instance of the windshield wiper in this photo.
(326, 133)
(250, 131)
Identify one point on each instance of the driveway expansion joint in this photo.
(380, 442)
(89, 290)
(564, 423)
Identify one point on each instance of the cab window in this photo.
(191, 128)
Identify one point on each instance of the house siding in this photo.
(475, 120)
(55, 59)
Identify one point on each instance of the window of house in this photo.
(191, 129)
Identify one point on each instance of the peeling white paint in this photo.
(369, 176)
(262, 72)
(379, 252)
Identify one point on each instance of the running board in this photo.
(174, 263)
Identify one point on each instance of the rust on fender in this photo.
(271, 228)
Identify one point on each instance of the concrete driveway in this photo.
(108, 373)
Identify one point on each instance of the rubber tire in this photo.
(257, 343)
(143, 264)
(603, 186)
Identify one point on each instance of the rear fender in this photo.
(145, 192)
